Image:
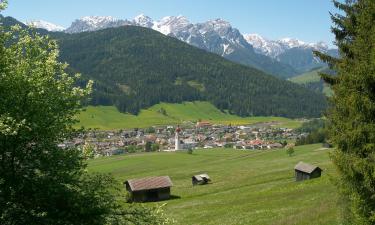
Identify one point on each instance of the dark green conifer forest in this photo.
(352, 115)
(134, 68)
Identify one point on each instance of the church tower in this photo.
(177, 145)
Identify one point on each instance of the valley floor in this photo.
(109, 118)
(249, 187)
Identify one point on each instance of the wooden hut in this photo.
(149, 189)
(200, 179)
(304, 171)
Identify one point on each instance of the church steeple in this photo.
(177, 145)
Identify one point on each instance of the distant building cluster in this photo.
(203, 135)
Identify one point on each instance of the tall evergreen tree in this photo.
(352, 113)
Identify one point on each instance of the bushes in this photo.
(317, 136)
(317, 132)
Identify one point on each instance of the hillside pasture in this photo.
(312, 77)
(248, 187)
(109, 118)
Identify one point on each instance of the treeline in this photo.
(134, 68)
(317, 132)
(319, 85)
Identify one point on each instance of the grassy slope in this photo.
(308, 77)
(108, 117)
(249, 187)
(312, 77)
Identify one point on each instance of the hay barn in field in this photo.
(149, 189)
(304, 171)
(200, 179)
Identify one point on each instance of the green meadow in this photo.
(312, 77)
(248, 186)
(308, 77)
(109, 118)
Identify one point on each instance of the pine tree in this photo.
(352, 112)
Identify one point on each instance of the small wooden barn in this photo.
(149, 188)
(304, 171)
(200, 179)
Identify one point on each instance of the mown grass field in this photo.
(249, 187)
(109, 118)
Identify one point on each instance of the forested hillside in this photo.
(135, 68)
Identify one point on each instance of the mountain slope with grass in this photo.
(109, 118)
(312, 80)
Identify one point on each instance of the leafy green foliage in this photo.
(312, 125)
(317, 132)
(352, 114)
(88, 151)
(155, 147)
(290, 151)
(316, 136)
(39, 182)
(134, 148)
(148, 146)
(3, 4)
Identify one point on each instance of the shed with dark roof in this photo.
(149, 188)
(304, 171)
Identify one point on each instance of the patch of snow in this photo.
(143, 21)
(45, 25)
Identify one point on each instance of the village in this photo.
(189, 136)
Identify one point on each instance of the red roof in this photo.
(256, 142)
(149, 183)
(203, 124)
(150, 137)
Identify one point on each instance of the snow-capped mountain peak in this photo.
(97, 20)
(256, 40)
(171, 24)
(45, 25)
(274, 48)
(320, 46)
(219, 23)
(92, 23)
(217, 36)
(174, 21)
(264, 46)
(292, 42)
(143, 21)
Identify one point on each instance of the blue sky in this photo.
(307, 20)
